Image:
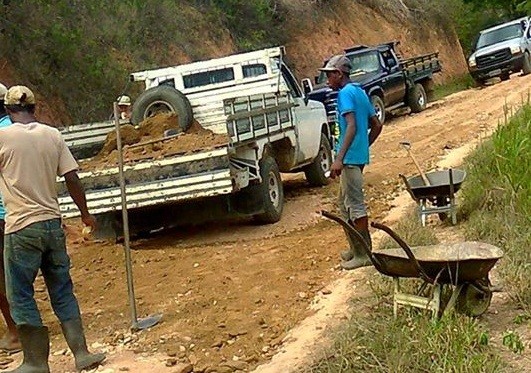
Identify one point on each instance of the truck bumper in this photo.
(179, 178)
(512, 65)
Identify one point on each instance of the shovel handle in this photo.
(422, 174)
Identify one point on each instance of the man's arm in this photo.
(376, 129)
(350, 133)
(75, 188)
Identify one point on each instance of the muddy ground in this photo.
(231, 292)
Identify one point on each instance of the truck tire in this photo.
(316, 171)
(163, 99)
(417, 99)
(379, 107)
(526, 66)
(271, 192)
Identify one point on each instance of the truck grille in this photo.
(493, 58)
(330, 103)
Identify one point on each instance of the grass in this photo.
(456, 84)
(497, 202)
(412, 343)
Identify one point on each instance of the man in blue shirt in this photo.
(358, 129)
(9, 342)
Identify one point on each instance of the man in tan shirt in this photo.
(32, 155)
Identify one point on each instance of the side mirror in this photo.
(307, 86)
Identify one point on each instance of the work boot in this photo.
(36, 347)
(348, 254)
(75, 338)
(359, 256)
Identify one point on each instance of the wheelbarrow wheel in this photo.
(474, 300)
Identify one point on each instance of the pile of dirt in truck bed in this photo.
(147, 141)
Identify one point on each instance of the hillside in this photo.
(80, 62)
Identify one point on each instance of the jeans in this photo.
(41, 246)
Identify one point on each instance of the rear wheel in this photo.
(526, 67)
(379, 108)
(474, 300)
(316, 172)
(271, 192)
(417, 98)
(163, 99)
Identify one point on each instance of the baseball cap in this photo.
(19, 95)
(3, 91)
(124, 100)
(339, 62)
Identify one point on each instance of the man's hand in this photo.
(336, 168)
(89, 221)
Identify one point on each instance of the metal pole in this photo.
(151, 320)
(125, 219)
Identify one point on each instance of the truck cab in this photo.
(501, 50)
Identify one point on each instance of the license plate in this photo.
(495, 72)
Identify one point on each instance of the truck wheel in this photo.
(379, 107)
(163, 99)
(271, 192)
(479, 83)
(316, 172)
(505, 77)
(526, 68)
(417, 99)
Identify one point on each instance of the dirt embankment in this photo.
(329, 29)
(150, 140)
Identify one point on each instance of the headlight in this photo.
(515, 49)
(472, 62)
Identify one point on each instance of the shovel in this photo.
(407, 146)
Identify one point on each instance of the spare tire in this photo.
(163, 99)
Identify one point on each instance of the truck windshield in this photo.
(498, 35)
(362, 63)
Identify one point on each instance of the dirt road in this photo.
(230, 292)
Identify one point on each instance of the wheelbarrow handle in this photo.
(407, 250)
(355, 235)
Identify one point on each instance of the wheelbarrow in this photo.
(437, 196)
(463, 268)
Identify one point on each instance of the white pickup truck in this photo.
(254, 99)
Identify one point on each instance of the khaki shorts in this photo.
(351, 197)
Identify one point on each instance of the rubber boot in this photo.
(75, 338)
(348, 254)
(359, 256)
(36, 347)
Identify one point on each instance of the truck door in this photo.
(307, 128)
(393, 83)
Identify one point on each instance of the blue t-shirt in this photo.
(4, 122)
(353, 99)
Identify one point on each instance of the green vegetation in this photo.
(496, 201)
(411, 343)
(81, 52)
(454, 85)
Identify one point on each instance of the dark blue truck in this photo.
(390, 81)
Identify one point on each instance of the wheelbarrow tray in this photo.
(440, 184)
(448, 264)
